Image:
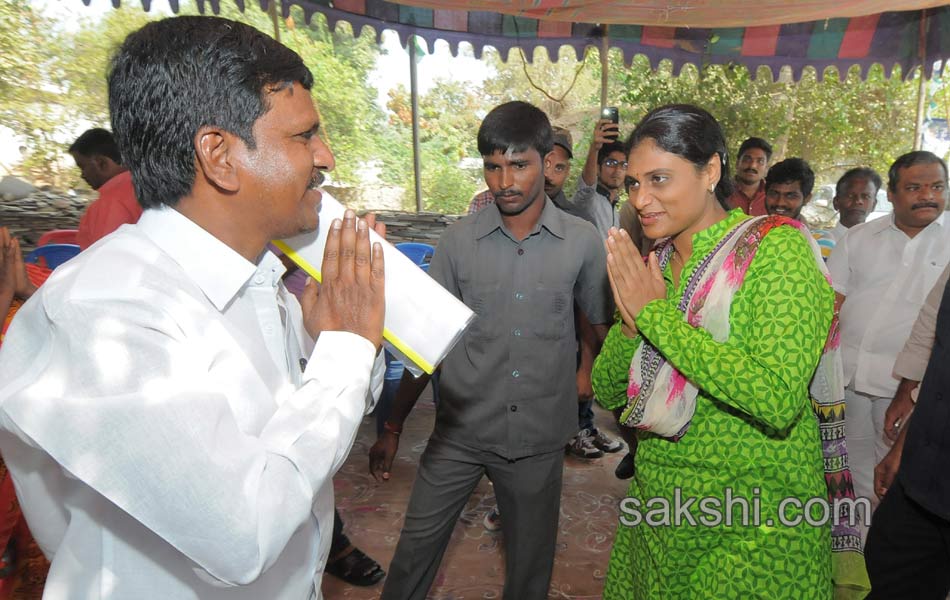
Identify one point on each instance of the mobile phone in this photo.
(610, 113)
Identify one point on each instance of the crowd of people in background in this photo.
(175, 401)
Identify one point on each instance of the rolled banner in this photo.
(423, 320)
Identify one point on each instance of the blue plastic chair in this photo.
(421, 254)
(52, 255)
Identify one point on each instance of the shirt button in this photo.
(515, 374)
(258, 279)
(514, 408)
(517, 332)
(519, 296)
(520, 251)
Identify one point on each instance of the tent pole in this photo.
(604, 48)
(272, 11)
(414, 94)
(922, 89)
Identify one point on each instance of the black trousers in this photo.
(528, 492)
(907, 551)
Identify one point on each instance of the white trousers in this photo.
(867, 445)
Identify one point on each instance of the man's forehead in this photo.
(753, 153)
(510, 155)
(293, 105)
(786, 186)
(559, 154)
(922, 173)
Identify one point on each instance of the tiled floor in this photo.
(473, 566)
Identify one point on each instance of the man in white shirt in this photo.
(882, 272)
(170, 425)
(855, 198)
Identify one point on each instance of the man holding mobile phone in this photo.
(598, 191)
(598, 188)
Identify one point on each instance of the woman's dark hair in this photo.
(515, 126)
(690, 133)
(174, 76)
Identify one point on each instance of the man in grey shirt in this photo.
(508, 392)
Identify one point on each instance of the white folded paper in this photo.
(423, 321)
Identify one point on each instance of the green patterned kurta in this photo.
(754, 432)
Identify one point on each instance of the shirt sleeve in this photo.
(912, 361)
(128, 403)
(592, 288)
(611, 374)
(765, 368)
(442, 265)
(839, 266)
(583, 199)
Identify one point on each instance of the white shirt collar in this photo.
(211, 264)
(892, 223)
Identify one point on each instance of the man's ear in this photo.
(104, 165)
(547, 160)
(807, 199)
(215, 155)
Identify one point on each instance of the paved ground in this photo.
(474, 563)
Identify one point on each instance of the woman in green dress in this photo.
(724, 359)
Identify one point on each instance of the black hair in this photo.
(858, 173)
(515, 126)
(608, 149)
(174, 76)
(756, 142)
(97, 142)
(690, 133)
(789, 170)
(919, 157)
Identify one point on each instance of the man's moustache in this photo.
(925, 205)
(317, 179)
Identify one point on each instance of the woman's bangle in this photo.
(387, 426)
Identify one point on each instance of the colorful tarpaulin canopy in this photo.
(843, 39)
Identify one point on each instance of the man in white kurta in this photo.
(884, 269)
(171, 428)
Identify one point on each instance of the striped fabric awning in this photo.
(888, 38)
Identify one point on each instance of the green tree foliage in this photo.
(28, 97)
(53, 81)
(52, 85)
(449, 116)
(831, 123)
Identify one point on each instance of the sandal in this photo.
(356, 568)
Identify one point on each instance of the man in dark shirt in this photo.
(908, 545)
(751, 167)
(508, 393)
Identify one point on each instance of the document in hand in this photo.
(423, 320)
